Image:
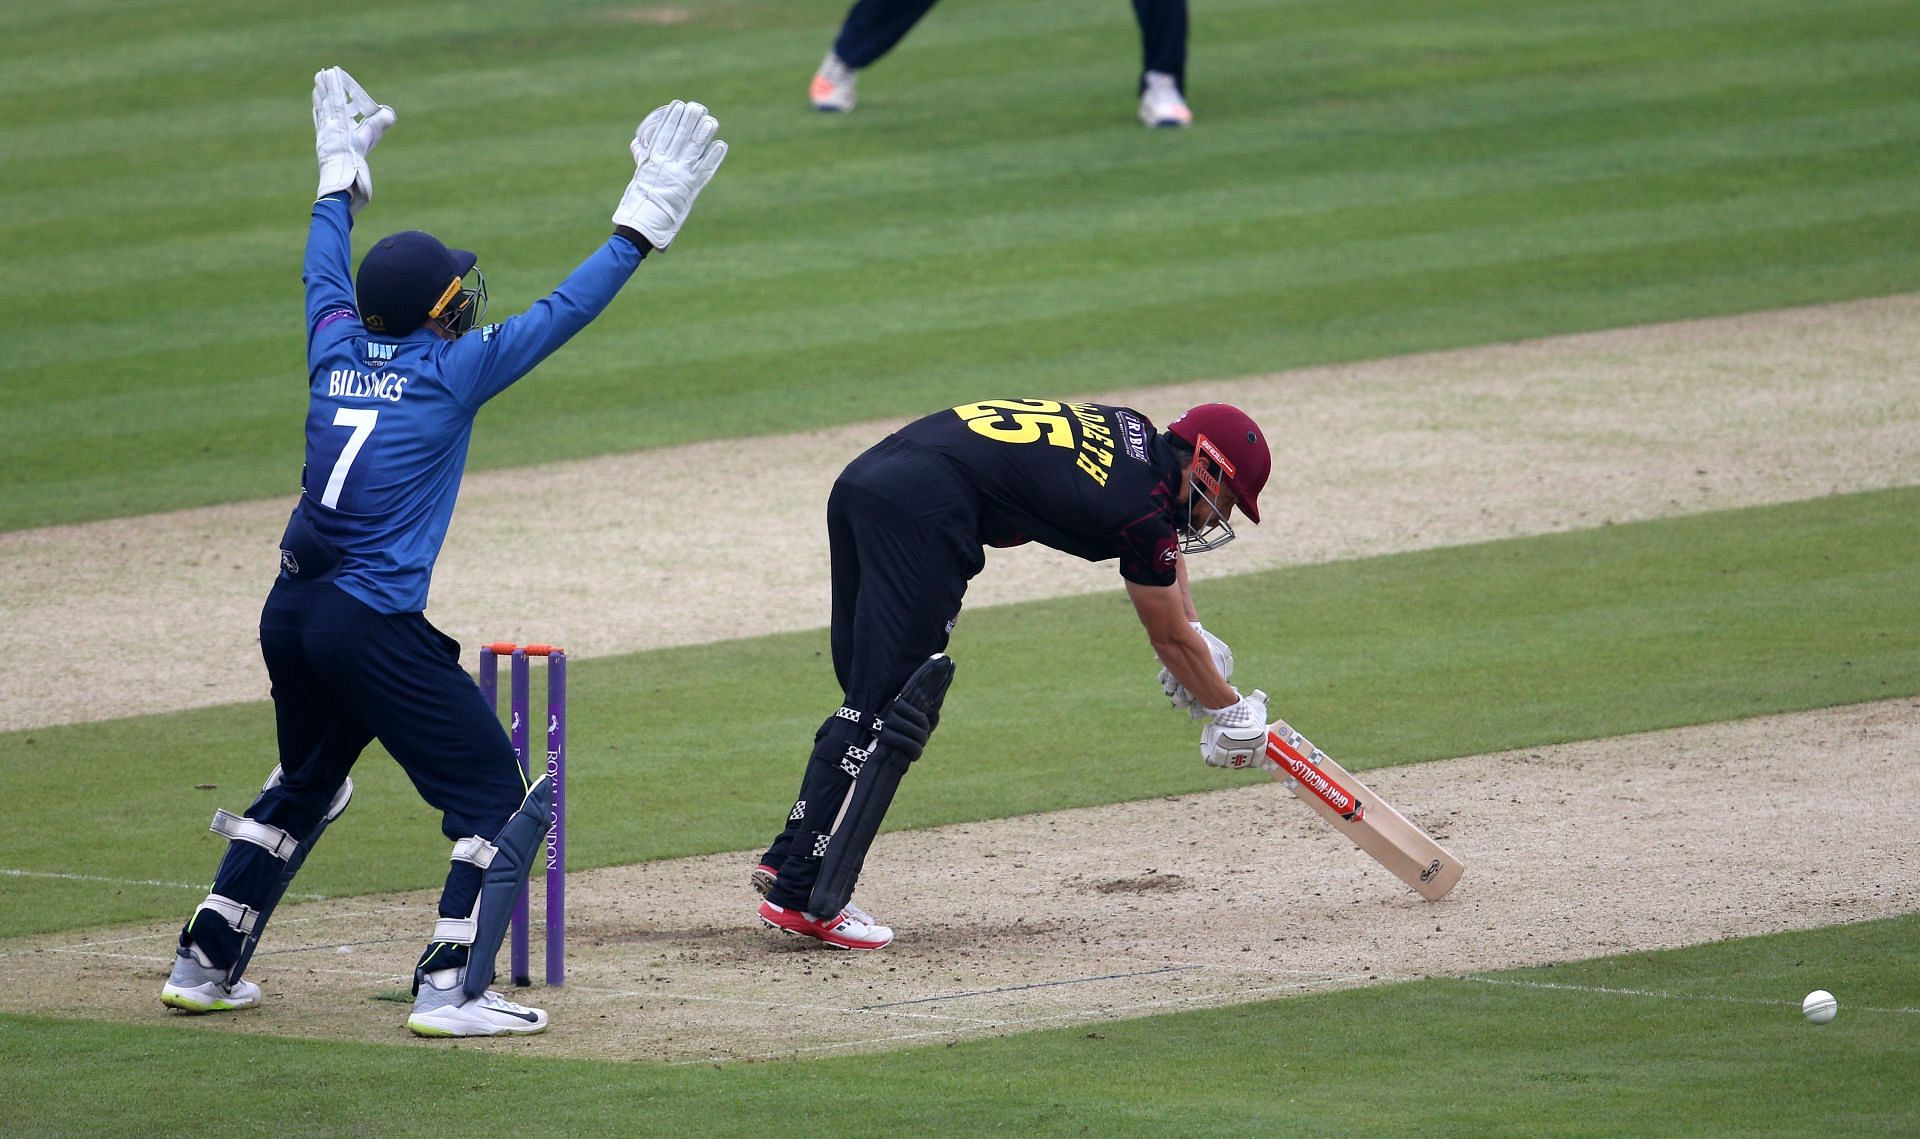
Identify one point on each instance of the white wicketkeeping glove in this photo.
(347, 123)
(1237, 735)
(675, 156)
(1177, 693)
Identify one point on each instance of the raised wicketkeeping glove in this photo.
(675, 155)
(1237, 735)
(1177, 693)
(347, 123)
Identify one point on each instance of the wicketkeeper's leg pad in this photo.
(504, 863)
(259, 864)
(900, 737)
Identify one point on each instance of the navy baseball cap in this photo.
(406, 278)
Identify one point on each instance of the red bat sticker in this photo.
(1285, 753)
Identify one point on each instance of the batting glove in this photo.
(1237, 735)
(1177, 693)
(347, 123)
(675, 155)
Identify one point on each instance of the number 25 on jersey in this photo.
(1019, 421)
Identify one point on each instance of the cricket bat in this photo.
(1363, 817)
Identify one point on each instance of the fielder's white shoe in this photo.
(844, 931)
(1161, 104)
(441, 1008)
(832, 88)
(196, 987)
(762, 880)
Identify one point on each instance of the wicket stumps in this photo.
(521, 684)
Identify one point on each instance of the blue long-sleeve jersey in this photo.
(389, 418)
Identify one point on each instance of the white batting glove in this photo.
(675, 155)
(347, 123)
(1237, 735)
(1177, 693)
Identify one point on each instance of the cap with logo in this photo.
(407, 278)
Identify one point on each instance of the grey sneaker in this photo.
(833, 86)
(1161, 104)
(198, 988)
(442, 1008)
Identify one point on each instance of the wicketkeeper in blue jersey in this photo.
(398, 365)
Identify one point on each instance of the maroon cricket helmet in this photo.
(1231, 439)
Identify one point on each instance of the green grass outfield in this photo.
(1368, 177)
(1389, 660)
(1706, 1041)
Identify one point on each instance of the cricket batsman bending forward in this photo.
(907, 522)
(397, 368)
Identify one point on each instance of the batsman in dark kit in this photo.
(908, 522)
(398, 366)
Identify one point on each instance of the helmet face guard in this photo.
(460, 308)
(1204, 484)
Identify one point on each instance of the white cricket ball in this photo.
(1820, 1007)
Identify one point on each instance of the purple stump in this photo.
(517, 730)
(557, 832)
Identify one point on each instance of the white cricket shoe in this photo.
(1161, 104)
(196, 987)
(832, 88)
(441, 1008)
(843, 931)
(762, 880)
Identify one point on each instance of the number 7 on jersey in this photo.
(361, 419)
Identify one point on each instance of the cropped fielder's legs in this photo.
(1163, 68)
(873, 27)
(903, 530)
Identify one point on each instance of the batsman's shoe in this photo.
(443, 1009)
(832, 88)
(198, 988)
(842, 932)
(1161, 104)
(762, 880)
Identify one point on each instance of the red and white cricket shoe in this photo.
(764, 876)
(844, 931)
(762, 879)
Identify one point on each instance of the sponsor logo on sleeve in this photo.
(1133, 435)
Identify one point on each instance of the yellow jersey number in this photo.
(1019, 421)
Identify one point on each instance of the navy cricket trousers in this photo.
(903, 528)
(873, 27)
(344, 675)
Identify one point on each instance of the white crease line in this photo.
(1221, 997)
(1660, 994)
(88, 946)
(10, 872)
(762, 1004)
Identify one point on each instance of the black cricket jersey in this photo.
(1083, 478)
